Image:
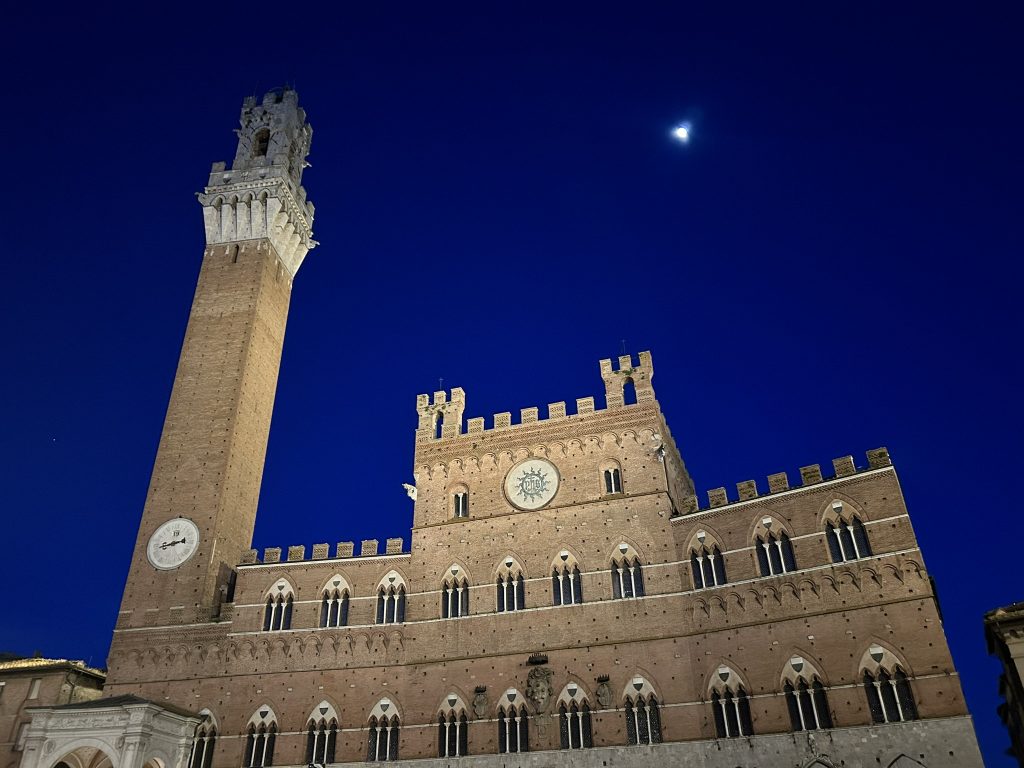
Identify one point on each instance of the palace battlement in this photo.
(342, 550)
(441, 417)
(842, 467)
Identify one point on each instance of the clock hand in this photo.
(167, 544)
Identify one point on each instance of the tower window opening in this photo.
(460, 501)
(261, 143)
(438, 425)
(629, 392)
(334, 608)
(627, 578)
(612, 481)
(391, 605)
(566, 584)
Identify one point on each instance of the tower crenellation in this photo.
(262, 196)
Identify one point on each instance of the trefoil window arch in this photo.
(890, 697)
(730, 705)
(627, 573)
(260, 739)
(643, 713)
(706, 562)
(452, 728)
(513, 724)
(334, 603)
(774, 549)
(805, 697)
(204, 742)
(511, 587)
(391, 599)
(566, 583)
(454, 594)
(321, 735)
(277, 612)
(575, 725)
(846, 535)
(382, 743)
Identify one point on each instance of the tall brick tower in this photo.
(201, 506)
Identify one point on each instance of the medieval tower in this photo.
(201, 507)
(565, 595)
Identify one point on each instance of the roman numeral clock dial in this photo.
(173, 543)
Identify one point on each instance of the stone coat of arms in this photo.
(538, 688)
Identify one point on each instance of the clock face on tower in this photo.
(531, 484)
(173, 543)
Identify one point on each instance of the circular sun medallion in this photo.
(531, 484)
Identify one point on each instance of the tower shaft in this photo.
(209, 463)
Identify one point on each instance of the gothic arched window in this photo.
(321, 735)
(627, 574)
(511, 587)
(805, 697)
(846, 535)
(513, 724)
(706, 563)
(382, 742)
(391, 599)
(454, 594)
(460, 502)
(575, 726)
(611, 477)
(260, 739)
(204, 743)
(566, 584)
(890, 698)
(452, 728)
(334, 603)
(643, 713)
(730, 705)
(277, 613)
(774, 553)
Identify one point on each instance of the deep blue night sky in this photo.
(832, 264)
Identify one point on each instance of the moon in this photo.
(682, 132)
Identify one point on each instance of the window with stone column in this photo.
(382, 741)
(452, 727)
(454, 593)
(887, 687)
(627, 573)
(643, 712)
(730, 705)
(261, 738)
(513, 723)
(510, 587)
(277, 611)
(575, 725)
(566, 582)
(806, 697)
(321, 734)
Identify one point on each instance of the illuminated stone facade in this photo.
(563, 587)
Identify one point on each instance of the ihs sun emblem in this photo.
(532, 484)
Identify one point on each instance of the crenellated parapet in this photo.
(261, 196)
(343, 550)
(843, 466)
(441, 418)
